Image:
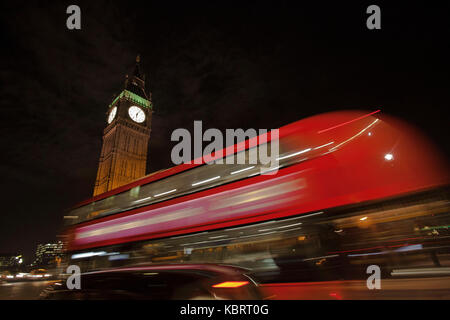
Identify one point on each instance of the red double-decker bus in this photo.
(352, 189)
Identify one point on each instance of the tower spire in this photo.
(136, 81)
(137, 70)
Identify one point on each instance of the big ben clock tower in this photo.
(125, 139)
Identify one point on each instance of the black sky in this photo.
(255, 64)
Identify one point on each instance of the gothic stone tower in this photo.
(125, 139)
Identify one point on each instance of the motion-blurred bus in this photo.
(353, 189)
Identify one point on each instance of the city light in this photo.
(242, 170)
(164, 193)
(294, 154)
(205, 181)
(230, 284)
(324, 145)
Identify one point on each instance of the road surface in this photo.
(22, 290)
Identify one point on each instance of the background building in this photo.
(49, 254)
(10, 261)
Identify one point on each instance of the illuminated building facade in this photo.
(47, 254)
(9, 260)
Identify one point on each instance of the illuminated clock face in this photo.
(112, 115)
(136, 114)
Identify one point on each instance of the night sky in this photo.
(255, 65)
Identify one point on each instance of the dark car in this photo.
(160, 282)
